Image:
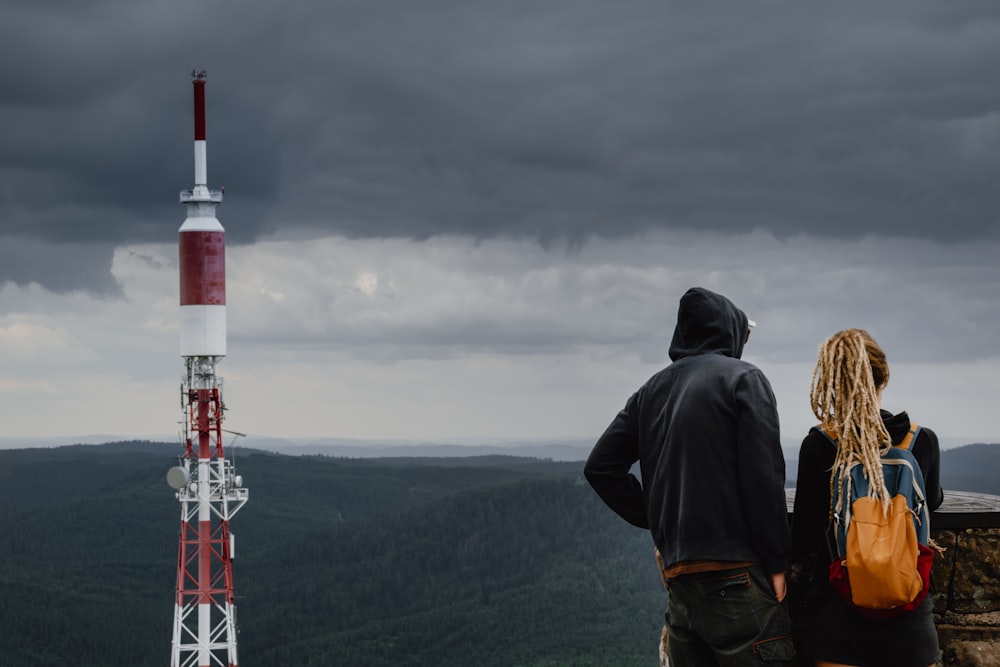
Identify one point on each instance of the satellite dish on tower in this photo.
(177, 478)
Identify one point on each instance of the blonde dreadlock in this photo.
(850, 372)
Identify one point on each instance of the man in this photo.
(705, 433)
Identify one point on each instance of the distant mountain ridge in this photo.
(962, 466)
(553, 451)
(557, 449)
(974, 468)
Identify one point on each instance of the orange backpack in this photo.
(883, 559)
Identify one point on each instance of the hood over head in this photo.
(708, 323)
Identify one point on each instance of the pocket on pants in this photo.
(732, 582)
(728, 603)
(777, 649)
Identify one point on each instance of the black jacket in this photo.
(811, 516)
(705, 433)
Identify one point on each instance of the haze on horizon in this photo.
(452, 220)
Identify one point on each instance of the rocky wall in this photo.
(966, 591)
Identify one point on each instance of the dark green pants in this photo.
(728, 618)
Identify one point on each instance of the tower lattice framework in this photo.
(204, 633)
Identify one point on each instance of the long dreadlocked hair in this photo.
(850, 372)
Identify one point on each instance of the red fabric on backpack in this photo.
(842, 584)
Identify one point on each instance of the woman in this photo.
(850, 375)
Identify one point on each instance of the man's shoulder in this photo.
(718, 364)
(734, 367)
(711, 358)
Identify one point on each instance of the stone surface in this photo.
(969, 612)
(970, 621)
(975, 586)
(941, 572)
(970, 640)
(972, 654)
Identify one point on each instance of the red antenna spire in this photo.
(199, 104)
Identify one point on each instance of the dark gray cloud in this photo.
(559, 120)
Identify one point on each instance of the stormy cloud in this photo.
(422, 195)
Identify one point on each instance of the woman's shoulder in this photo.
(815, 435)
(816, 444)
(926, 440)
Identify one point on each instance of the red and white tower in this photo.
(208, 488)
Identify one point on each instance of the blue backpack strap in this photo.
(917, 498)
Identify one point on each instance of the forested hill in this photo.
(971, 468)
(486, 561)
(492, 560)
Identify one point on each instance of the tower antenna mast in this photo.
(208, 488)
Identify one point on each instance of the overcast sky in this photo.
(455, 218)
